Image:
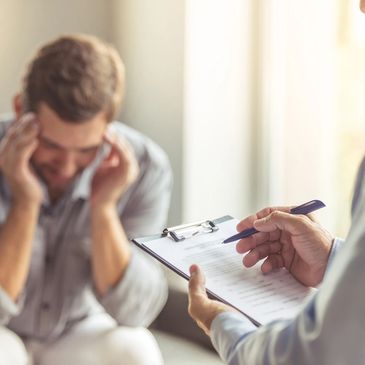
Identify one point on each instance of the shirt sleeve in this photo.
(142, 291)
(8, 307)
(140, 295)
(147, 208)
(229, 329)
(328, 330)
(336, 246)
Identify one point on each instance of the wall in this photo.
(150, 37)
(298, 104)
(218, 116)
(26, 24)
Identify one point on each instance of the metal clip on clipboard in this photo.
(180, 233)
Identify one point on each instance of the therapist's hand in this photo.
(202, 309)
(295, 242)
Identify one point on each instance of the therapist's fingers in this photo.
(197, 283)
(246, 223)
(246, 244)
(202, 309)
(199, 303)
(249, 221)
(261, 252)
(249, 243)
(273, 262)
(293, 224)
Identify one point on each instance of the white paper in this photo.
(262, 297)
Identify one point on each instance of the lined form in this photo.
(264, 298)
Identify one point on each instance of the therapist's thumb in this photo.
(197, 282)
(293, 224)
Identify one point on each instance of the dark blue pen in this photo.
(305, 208)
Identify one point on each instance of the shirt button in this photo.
(45, 306)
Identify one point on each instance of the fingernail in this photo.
(192, 270)
(30, 116)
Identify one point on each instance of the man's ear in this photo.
(18, 105)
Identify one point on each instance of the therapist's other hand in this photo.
(202, 309)
(295, 242)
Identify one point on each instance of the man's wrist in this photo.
(104, 208)
(27, 197)
(25, 204)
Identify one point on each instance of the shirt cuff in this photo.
(140, 294)
(336, 246)
(227, 330)
(8, 307)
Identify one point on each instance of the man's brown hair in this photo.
(77, 76)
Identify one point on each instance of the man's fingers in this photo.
(29, 149)
(27, 117)
(27, 135)
(122, 146)
(22, 131)
(124, 152)
(20, 141)
(24, 122)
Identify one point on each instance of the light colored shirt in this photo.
(59, 289)
(329, 330)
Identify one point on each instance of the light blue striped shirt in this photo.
(59, 290)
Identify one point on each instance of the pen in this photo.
(305, 208)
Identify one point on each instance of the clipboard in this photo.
(261, 298)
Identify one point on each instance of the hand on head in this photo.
(16, 149)
(116, 173)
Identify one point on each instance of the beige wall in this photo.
(26, 24)
(150, 37)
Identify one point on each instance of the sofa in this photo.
(181, 341)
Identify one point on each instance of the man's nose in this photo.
(67, 164)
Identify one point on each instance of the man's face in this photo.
(65, 148)
(362, 5)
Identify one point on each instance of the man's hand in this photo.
(111, 251)
(202, 309)
(115, 174)
(295, 242)
(16, 149)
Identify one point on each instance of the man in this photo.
(73, 189)
(330, 330)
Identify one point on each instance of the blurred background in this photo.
(256, 102)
